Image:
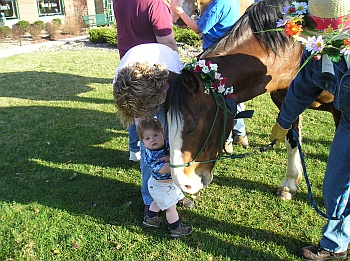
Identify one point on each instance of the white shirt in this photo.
(153, 53)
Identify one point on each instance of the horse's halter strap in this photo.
(221, 103)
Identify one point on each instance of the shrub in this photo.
(53, 28)
(57, 21)
(35, 31)
(23, 26)
(71, 26)
(186, 36)
(5, 31)
(40, 24)
(16, 33)
(103, 35)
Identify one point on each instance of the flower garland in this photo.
(212, 79)
(335, 43)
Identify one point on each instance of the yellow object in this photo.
(278, 133)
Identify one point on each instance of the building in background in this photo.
(12, 11)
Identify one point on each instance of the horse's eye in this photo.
(190, 126)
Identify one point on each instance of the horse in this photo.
(255, 60)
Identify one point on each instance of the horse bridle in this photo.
(219, 100)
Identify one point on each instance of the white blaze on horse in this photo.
(254, 61)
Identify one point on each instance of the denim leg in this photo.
(133, 139)
(336, 233)
(238, 124)
(145, 175)
(145, 170)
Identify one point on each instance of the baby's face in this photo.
(153, 140)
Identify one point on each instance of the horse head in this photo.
(197, 131)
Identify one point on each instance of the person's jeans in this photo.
(133, 139)
(336, 233)
(145, 170)
(238, 124)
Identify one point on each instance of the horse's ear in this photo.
(190, 81)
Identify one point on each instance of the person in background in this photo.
(142, 22)
(160, 185)
(320, 72)
(217, 19)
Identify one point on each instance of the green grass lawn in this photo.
(68, 191)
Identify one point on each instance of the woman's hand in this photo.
(175, 6)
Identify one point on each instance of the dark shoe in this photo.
(182, 230)
(186, 203)
(318, 253)
(152, 222)
(241, 140)
(145, 209)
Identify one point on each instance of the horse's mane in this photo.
(260, 17)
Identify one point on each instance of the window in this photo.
(50, 7)
(8, 9)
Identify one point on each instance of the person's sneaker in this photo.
(241, 140)
(186, 203)
(135, 156)
(228, 147)
(181, 230)
(152, 222)
(318, 253)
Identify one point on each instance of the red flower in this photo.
(198, 69)
(215, 85)
(317, 57)
(291, 10)
(229, 96)
(293, 29)
(223, 81)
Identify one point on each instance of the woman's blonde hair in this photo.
(138, 90)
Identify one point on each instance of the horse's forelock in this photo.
(177, 98)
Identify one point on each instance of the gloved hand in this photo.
(278, 133)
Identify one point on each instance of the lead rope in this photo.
(342, 211)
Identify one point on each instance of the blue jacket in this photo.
(309, 84)
(217, 19)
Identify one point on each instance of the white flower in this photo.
(300, 8)
(221, 88)
(201, 63)
(214, 67)
(205, 69)
(315, 45)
